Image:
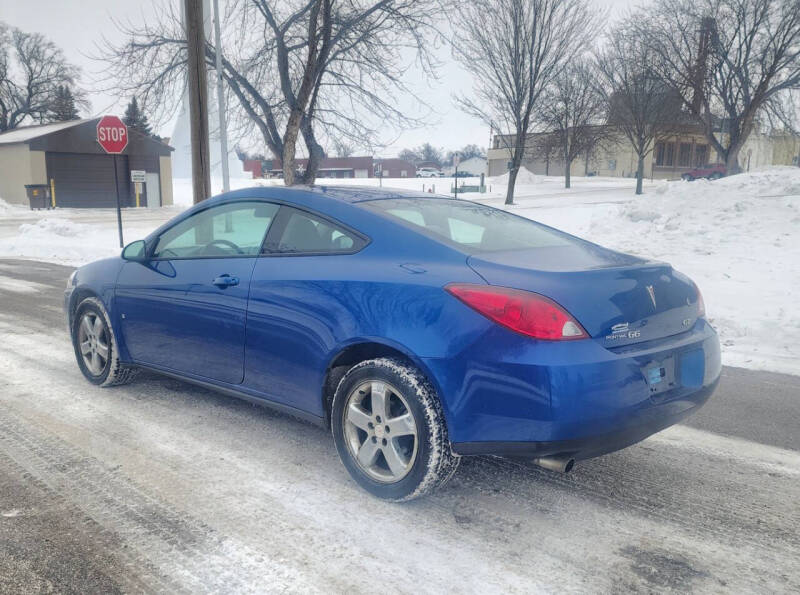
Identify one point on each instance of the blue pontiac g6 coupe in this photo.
(418, 328)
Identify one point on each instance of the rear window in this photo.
(470, 226)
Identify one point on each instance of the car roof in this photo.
(362, 194)
(348, 194)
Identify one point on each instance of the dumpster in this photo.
(38, 195)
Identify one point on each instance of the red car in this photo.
(713, 171)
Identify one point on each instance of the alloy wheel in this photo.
(93, 342)
(380, 431)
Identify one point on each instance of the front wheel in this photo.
(389, 430)
(687, 177)
(96, 347)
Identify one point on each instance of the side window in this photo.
(235, 229)
(306, 233)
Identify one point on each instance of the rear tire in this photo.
(687, 177)
(390, 432)
(96, 347)
(715, 176)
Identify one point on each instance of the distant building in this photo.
(66, 157)
(332, 167)
(254, 166)
(396, 168)
(672, 155)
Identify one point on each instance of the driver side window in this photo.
(235, 229)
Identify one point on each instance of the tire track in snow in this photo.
(186, 552)
(294, 507)
(604, 491)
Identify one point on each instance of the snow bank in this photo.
(6, 207)
(60, 227)
(61, 240)
(525, 176)
(73, 236)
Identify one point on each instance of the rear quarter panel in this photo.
(304, 310)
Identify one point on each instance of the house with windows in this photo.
(672, 155)
(675, 154)
(395, 168)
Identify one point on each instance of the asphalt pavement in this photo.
(160, 486)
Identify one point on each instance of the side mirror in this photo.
(135, 251)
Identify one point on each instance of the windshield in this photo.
(471, 227)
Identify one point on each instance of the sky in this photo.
(77, 25)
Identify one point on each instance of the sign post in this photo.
(456, 161)
(112, 135)
(138, 177)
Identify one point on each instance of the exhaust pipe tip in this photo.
(560, 464)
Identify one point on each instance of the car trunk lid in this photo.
(618, 298)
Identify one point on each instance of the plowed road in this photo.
(163, 487)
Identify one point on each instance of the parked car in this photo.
(418, 328)
(464, 174)
(713, 171)
(429, 172)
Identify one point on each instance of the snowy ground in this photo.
(736, 237)
(164, 487)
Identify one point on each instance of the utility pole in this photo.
(223, 129)
(198, 100)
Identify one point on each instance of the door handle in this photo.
(225, 280)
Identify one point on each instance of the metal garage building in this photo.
(66, 157)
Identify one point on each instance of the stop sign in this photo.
(112, 134)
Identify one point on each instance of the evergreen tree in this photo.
(135, 118)
(62, 107)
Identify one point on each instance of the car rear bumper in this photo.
(577, 397)
(642, 425)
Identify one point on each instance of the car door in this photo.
(184, 309)
(298, 301)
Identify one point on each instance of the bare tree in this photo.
(410, 155)
(574, 110)
(294, 67)
(427, 152)
(465, 152)
(341, 148)
(32, 69)
(640, 103)
(515, 48)
(729, 60)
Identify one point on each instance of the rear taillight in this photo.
(524, 312)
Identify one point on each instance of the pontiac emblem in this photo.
(652, 293)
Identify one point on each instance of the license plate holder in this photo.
(660, 375)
